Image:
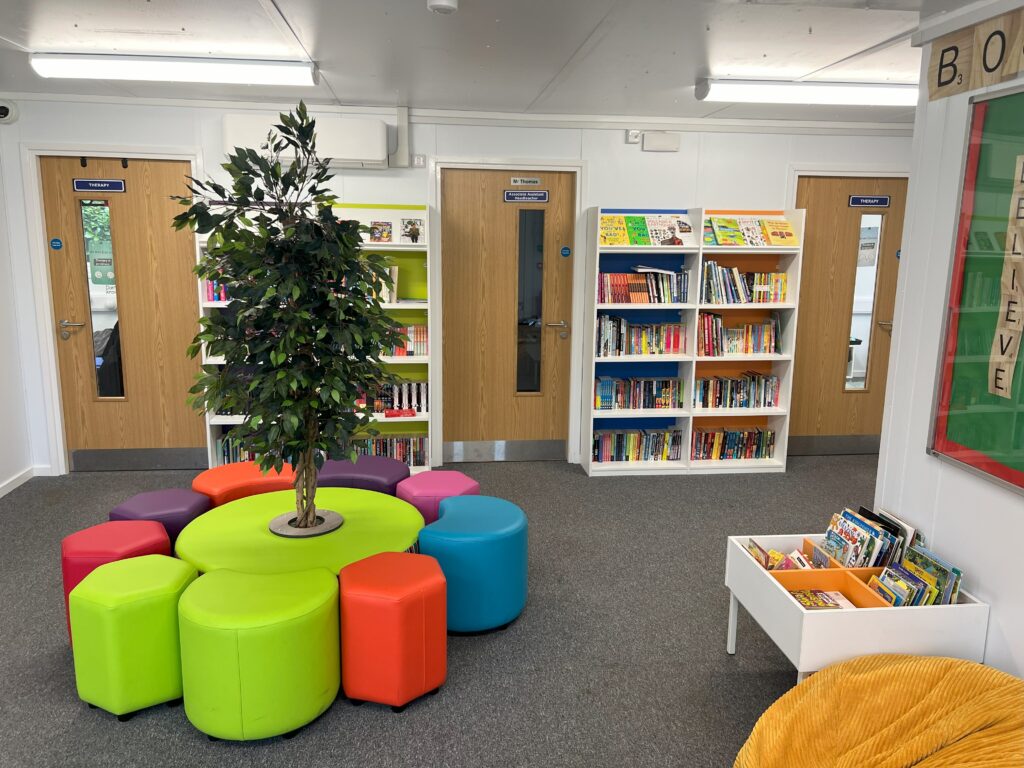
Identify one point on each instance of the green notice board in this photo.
(979, 415)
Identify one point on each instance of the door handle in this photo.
(69, 324)
(559, 324)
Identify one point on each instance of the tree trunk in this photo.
(305, 490)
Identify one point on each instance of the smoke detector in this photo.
(444, 7)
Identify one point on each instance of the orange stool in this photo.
(243, 478)
(394, 637)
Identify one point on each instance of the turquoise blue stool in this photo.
(480, 542)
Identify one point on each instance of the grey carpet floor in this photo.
(618, 660)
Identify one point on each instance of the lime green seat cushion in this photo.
(260, 653)
(235, 536)
(124, 629)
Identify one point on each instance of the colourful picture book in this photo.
(380, 232)
(753, 233)
(820, 599)
(636, 228)
(709, 233)
(612, 230)
(727, 231)
(780, 232)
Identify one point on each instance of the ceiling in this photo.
(581, 57)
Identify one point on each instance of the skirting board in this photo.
(829, 445)
(11, 483)
(504, 450)
(129, 459)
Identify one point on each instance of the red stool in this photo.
(82, 552)
(394, 637)
(240, 479)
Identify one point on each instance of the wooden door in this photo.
(125, 307)
(847, 297)
(507, 292)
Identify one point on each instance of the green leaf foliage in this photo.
(304, 330)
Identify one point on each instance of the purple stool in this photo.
(426, 490)
(174, 508)
(371, 473)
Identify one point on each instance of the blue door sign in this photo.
(526, 195)
(566, 251)
(99, 185)
(865, 201)
(56, 243)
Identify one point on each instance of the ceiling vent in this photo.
(349, 142)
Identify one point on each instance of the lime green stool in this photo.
(260, 653)
(124, 628)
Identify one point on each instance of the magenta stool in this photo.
(426, 490)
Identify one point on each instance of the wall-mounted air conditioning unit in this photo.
(350, 142)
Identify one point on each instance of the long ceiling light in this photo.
(807, 92)
(174, 69)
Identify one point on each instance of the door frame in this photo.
(32, 185)
(579, 168)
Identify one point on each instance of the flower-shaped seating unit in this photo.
(146, 630)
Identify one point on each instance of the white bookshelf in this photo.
(688, 366)
(410, 307)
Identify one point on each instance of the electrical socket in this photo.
(419, 161)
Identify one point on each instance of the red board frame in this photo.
(941, 443)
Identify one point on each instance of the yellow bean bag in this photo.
(893, 711)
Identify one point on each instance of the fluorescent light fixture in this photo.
(173, 69)
(807, 92)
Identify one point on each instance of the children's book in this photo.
(943, 572)
(636, 229)
(752, 232)
(709, 233)
(925, 588)
(952, 589)
(758, 552)
(820, 557)
(727, 231)
(813, 599)
(779, 232)
(836, 546)
(412, 230)
(380, 231)
(612, 230)
(887, 594)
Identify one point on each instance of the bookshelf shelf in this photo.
(751, 305)
(646, 306)
(641, 413)
(224, 419)
(776, 250)
(413, 262)
(649, 249)
(688, 366)
(644, 359)
(737, 412)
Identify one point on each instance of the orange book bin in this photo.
(394, 636)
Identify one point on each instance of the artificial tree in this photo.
(304, 330)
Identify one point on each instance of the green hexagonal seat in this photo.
(260, 653)
(124, 625)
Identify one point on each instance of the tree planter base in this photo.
(326, 521)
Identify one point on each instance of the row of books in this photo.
(729, 444)
(216, 291)
(406, 399)
(412, 449)
(749, 231)
(751, 390)
(645, 285)
(646, 229)
(617, 336)
(611, 393)
(229, 451)
(638, 445)
(911, 575)
(727, 285)
(415, 344)
(715, 340)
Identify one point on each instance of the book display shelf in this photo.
(814, 639)
(693, 334)
(403, 423)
